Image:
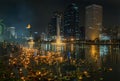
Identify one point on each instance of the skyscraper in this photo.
(93, 21)
(71, 22)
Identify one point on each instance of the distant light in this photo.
(85, 72)
(76, 8)
(29, 26)
(12, 27)
(36, 32)
(101, 78)
(72, 39)
(110, 69)
(80, 77)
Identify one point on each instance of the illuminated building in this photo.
(93, 21)
(43, 37)
(71, 22)
(104, 36)
(12, 33)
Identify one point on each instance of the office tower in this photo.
(93, 21)
(71, 22)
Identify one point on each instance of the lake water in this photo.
(106, 57)
(64, 62)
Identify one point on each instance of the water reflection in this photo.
(71, 62)
(93, 53)
(104, 49)
(98, 56)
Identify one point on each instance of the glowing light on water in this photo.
(31, 43)
(103, 50)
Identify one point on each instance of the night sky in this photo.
(19, 13)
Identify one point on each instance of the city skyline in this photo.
(38, 13)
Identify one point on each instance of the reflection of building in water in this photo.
(75, 51)
(110, 56)
(103, 55)
(103, 50)
(79, 52)
(72, 48)
(31, 43)
(51, 47)
(112, 59)
(92, 55)
(114, 54)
